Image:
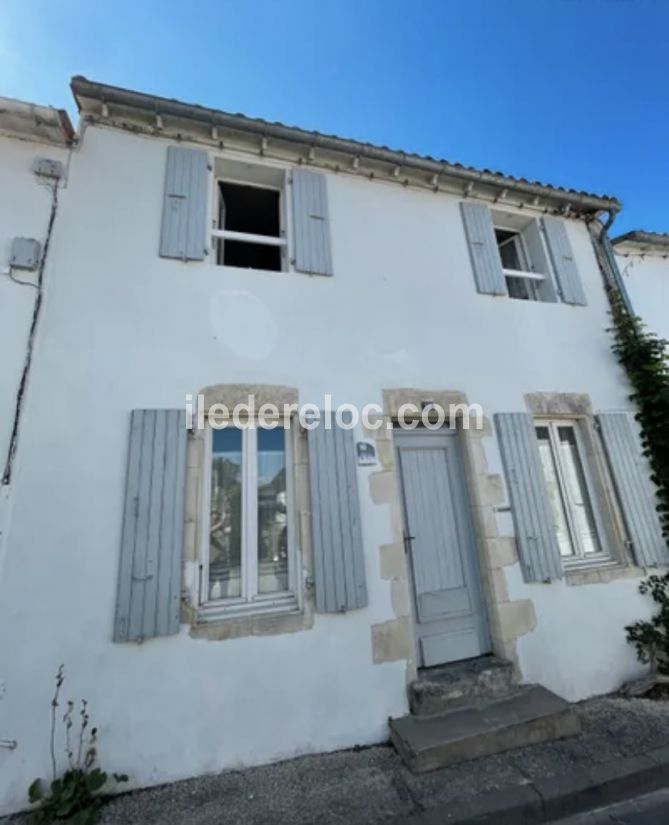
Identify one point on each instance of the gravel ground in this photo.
(370, 786)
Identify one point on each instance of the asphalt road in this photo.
(646, 810)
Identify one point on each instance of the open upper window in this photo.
(248, 224)
(515, 264)
(527, 271)
(514, 254)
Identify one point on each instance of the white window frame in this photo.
(250, 601)
(535, 278)
(579, 558)
(217, 233)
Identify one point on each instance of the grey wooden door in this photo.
(449, 612)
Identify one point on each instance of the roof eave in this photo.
(581, 202)
(31, 121)
(641, 242)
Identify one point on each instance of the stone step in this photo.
(440, 689)
(529, 715)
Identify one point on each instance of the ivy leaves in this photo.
(644, 357)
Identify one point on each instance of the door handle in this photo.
(407, 542)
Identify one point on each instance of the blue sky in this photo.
(571, 92)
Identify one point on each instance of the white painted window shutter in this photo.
(483, 250)
(149, 580)
(536, 537)
(564, 265)
(339, 563)
(311, 223)
(636, 494)
(183, 232)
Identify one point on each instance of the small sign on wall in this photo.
(366, 453)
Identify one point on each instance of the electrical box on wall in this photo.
(25, 253)
(48, 168)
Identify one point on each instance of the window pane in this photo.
(520, 288)
(249, 255)
(272, 512)
(250, 209)
(507, 242)
(577, 491)
(554, 494)
(225, 515)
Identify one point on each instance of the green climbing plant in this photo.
(644, 358)
(651, 638)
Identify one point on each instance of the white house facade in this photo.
(643, 261)
(230, 596)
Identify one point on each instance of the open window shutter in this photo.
(636, 494)
(339, 563)
(566, 273)
(183, 232)
(539, 260)
(149, 581)
(311, 223)
(483, 249)
(538, 548)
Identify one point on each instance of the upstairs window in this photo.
(248, 225)
(523, 256)
(516, 255)
(521, 282)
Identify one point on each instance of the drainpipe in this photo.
(607, 260)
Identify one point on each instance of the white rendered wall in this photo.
(25, 206)
(647, 282)
(125, 329)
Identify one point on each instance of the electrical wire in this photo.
(14, 438)
(20, 282)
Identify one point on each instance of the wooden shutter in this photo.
(339, 562)
(564, 265)
(311, 225)
(538, 548)
(149, 581)
(631, 476)
(183, 232)
(483, 250)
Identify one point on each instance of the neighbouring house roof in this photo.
(638, 242)
(100, 102)
(34, 122)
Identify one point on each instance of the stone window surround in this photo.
(578, 407)
(253, 624)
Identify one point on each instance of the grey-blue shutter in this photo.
(339, 562)
(149, 580)
(536, 537)
(311, 224)
(183, 231)
(566, 272)
(631, 476)
(483, 250)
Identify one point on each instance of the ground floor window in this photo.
(570, 491)
(247, 553)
